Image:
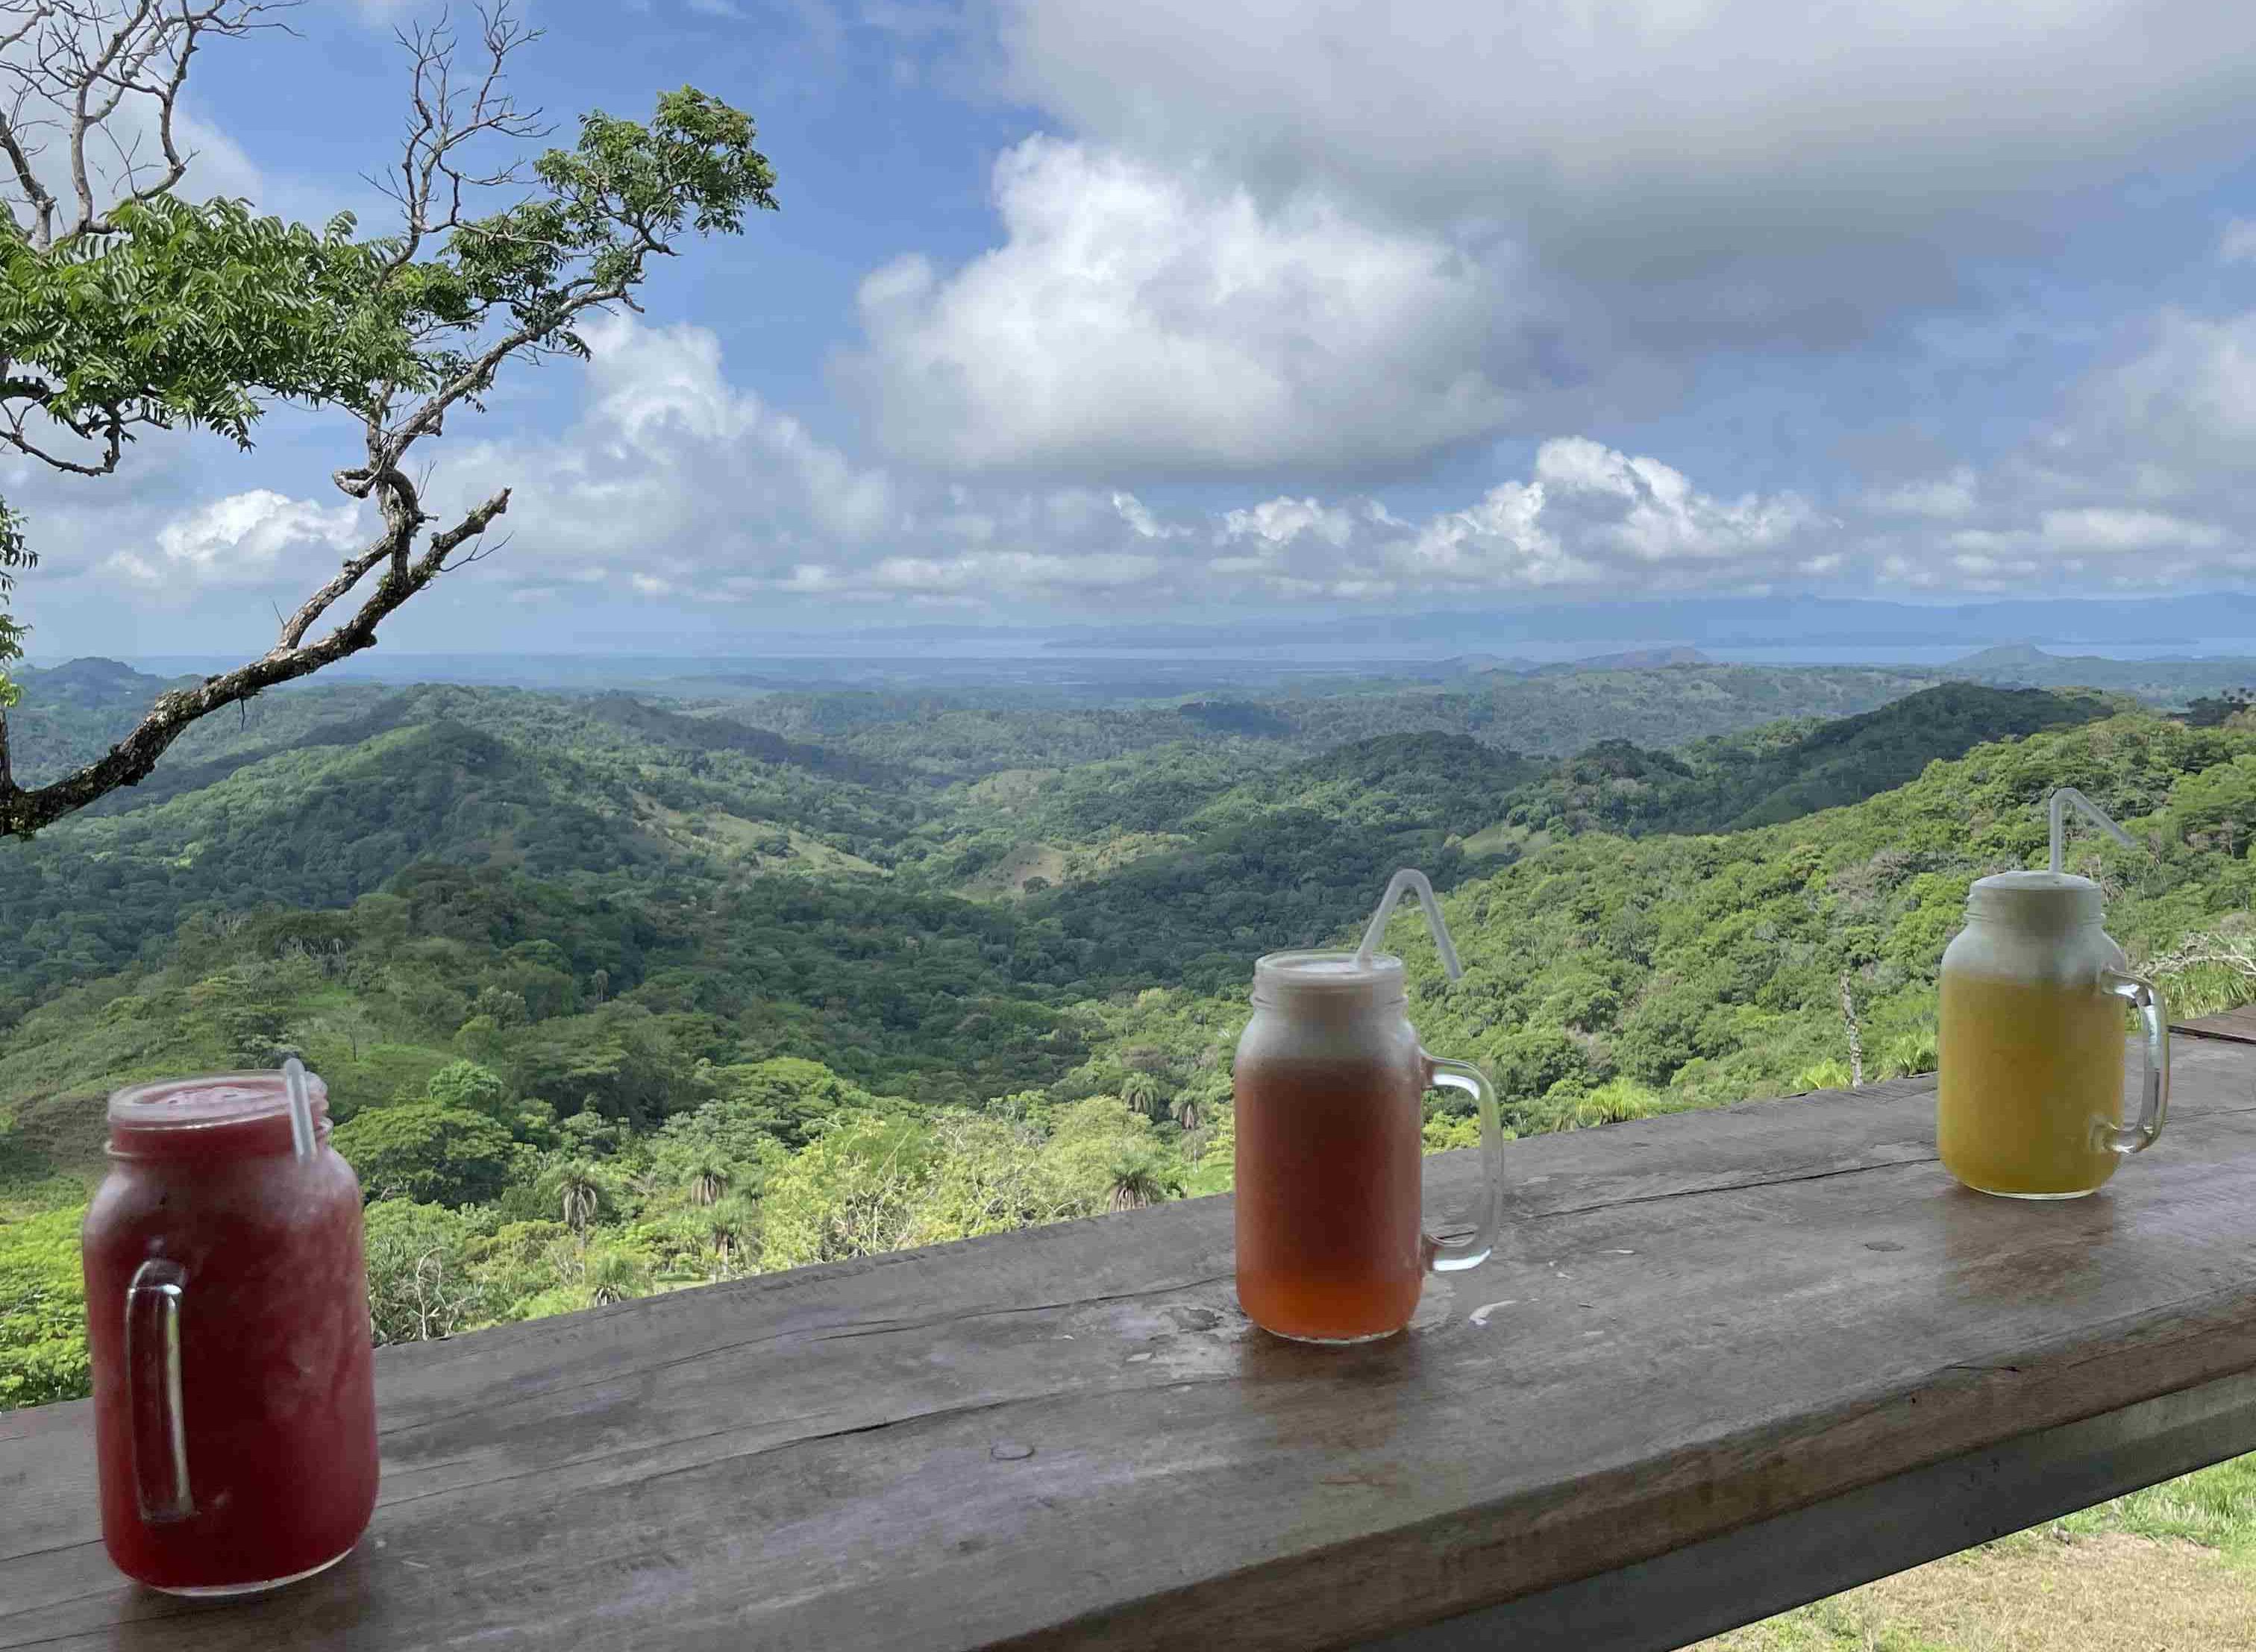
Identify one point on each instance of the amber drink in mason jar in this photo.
(227, 1321)
(2030, 1054)
(1330, 1084)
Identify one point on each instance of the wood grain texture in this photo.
(2237, 1024)
(1787, 1560)
(1071, 1437)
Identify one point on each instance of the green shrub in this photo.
(42, 1311)
(428, 1152)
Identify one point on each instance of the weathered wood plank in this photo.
(2237, 1024)
(1776, 1565)
(1071, 1437)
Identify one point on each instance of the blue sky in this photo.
(1205, 309)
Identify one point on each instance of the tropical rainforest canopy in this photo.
(617, 993)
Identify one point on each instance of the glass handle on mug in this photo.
(2154, 1100)
(1445, 1256)
(152, 1390)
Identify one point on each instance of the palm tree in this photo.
(1139, 1181)
(708, 1179)
(1186, 1109)
(730, 1226)
(613, 1276)
(578, 1192)
(1141, 1091)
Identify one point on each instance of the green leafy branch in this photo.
(150, 312)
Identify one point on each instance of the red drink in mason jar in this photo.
(227, 1319)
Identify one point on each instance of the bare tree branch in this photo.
(432, 181)
(76, 66)
(19, 397)
(37, 197)
(2231, 945)
(128, 762)
(1856, 1031)
(355, 570)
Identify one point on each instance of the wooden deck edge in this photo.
(2239, 1032)
(1773, 1566)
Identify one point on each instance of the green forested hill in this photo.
(1607, 976)
(318, 826)
(1852, 757)
(1728, 783)
(1285, 859)
(315, 796)
(71, 714)
(663, 727)
(1712, 968)
(777, 994)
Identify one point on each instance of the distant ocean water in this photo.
(1031, 659)
(1870, 654)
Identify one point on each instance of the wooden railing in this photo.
(1724, 1362)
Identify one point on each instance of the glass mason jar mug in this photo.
(1330, 1083)
(2029, 1055)
(227, 1321)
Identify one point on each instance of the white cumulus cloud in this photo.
(2139, 481)
(1140, 517)
(2178, 417)
(1281, 521)
(1588, 518)
(2098, 528)
(240, 540)
(1708, 162)
(1136, 319)
(672, 472)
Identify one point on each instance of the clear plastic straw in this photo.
(301, 1108)
(2069, 797)
(1405, 881)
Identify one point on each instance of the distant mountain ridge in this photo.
(73, 713)
(94, 680)
(2005, 656)
(2168, 681)
(722, 732)
(1635, 659)
(1804, 622)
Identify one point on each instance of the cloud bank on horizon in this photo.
(1338, 304)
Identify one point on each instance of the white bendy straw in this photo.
(1406, 880)
(301, 1108)
(2069, 797)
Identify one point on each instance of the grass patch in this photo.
(2215, 1508)
(1830, 1626)
(2166, 1568)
